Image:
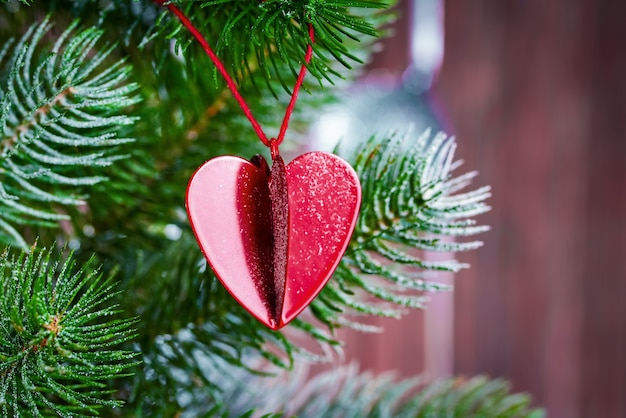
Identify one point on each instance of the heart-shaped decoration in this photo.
(274, 250)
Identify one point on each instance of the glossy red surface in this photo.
(229, 206)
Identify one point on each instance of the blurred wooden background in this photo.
(535, 92)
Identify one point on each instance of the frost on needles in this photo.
(58, 336)
(61, 108)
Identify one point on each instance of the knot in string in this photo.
(274, 143)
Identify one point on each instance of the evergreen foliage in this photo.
(346, 392)
(272, 33)
(125, 95)
(410, 202)
(60, 111)
(57, 336)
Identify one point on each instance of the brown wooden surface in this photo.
(535, 91)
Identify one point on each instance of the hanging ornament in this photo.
(273, 236)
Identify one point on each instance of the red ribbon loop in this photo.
(274, 142)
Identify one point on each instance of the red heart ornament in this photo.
(230, 209)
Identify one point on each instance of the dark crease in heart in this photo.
(259, 161)
(280, 231)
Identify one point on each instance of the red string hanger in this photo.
(274, 236)
(272, 143)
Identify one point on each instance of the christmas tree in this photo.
(108, 306)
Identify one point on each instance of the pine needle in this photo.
(60, 111)
(58, 332)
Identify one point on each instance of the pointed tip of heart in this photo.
(274, 325)
(275, 328)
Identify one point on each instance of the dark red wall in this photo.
(535, 92)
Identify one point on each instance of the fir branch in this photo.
(59, 118)
(411, 205)
(346, 392)
(273, 33)
(57, 336)
(191, 367)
